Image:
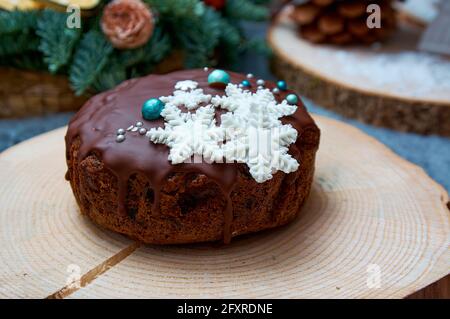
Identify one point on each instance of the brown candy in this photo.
(358, 27)
(305, 14)
(322, 3)
(312, 34)
(341, 38)
(352, 9)
(331, 24)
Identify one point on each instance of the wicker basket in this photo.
(27, 93)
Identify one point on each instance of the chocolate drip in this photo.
(98, 120)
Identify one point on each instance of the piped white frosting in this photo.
(250, 132)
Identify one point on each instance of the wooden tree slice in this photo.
(43, 236)
(421, 12)
(371, 215)
(392, 85)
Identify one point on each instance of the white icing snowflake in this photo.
(251, 132)
(242, 103)
(190, 99)
(186, 85)
(255, 135)
(188, 134)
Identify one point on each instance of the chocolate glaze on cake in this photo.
(95, 126)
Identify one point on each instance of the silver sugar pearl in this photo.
(139, 124)
(260, 87)
(205, 69)
(260, 82)
(249, 76)
(142, 131)
(120, 138)
(135, 129)
(130, 128)
(276, 91)
(120, 131)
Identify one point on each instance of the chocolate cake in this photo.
(162, 180)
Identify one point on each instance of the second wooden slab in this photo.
(392, 86)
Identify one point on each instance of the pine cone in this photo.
(342, 22)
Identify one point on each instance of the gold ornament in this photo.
(58, 5)
(83, 4)
(22, 5)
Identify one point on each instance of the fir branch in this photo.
(177, 8)
(90, 58)
(152, 52)
(245, 10)
(195, 28)
(112, 75)
(121, 63)
(57, 41)
(17, 32)
(257, 45)
(17, 43)
(262, 2)
(230, 33)
(199, 36)
(231, 41)
(17, 21)
(29, 60)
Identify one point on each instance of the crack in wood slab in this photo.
(95, 272)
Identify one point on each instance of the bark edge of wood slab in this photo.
(374, 208)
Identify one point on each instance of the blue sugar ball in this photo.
(245, 83)
(282, 85)
(151, 109)
(292, 99)
(218, 78)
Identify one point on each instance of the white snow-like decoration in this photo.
(255, 135)
(186, 85)
(190, 99)
(188, 134)
(250, 132)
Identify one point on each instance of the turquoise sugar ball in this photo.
(292, 99)
(151, 109)
(218, 78)
(245, 83)
(282, 85)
